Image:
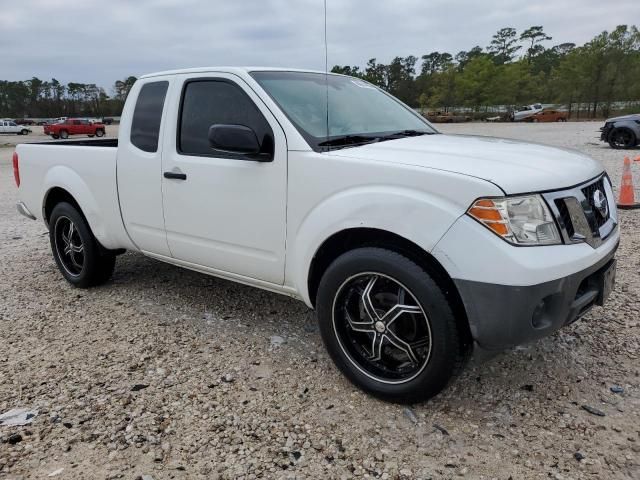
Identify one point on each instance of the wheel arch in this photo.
(625, 126)
(352, 238)
(62, 183)
(54, 196)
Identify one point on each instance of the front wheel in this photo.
(75, 249)
(622, 138)
(55, 137)
(24, 131)
(64, 134)
(387, 325)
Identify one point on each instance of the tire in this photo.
(75, 249)
(55, 137)
(24, 131)
(421, 318)
(99, 133)
(64, 134)
(90, 136)
(622, 138)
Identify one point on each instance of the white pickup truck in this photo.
(9, 126)
(414, 247)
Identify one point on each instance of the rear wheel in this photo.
(99, 133)
(387, 325)
(64, 134)
(75, 249)
(621, 138)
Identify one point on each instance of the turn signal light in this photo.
(487, 213)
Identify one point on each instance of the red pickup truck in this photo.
(74, 126)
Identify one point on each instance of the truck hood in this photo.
(516, 167)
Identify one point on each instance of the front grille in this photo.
(565, 217)
(578, 216)
(604, 132)
(588, 191)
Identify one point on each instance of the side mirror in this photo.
(237, 139)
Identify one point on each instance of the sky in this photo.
(99, 41)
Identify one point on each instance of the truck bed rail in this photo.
(98, 142)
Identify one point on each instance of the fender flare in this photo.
(65, 178)
(379, 207)
(630, 125)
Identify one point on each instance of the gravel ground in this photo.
(172, 374)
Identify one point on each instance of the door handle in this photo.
(175, 175)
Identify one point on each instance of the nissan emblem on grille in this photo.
(600, 202)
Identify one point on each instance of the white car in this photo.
(526, 111)
(414, 247)
(8, 126)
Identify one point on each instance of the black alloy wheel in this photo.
(387, 325)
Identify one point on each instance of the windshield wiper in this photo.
(404, 133)
(349, 140)
(355, 140)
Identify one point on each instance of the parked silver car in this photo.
(525, 111)
(622, 132)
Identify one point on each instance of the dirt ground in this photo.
(169, 374)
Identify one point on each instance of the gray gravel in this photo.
(168, 374)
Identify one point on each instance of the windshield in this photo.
(358, 111)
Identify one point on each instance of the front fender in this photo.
(629, 124)
(415, 215)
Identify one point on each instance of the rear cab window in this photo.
(147, 116)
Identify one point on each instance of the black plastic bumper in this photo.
(503, 316)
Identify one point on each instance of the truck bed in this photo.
(86, 169)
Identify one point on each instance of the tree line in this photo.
(599, 77)
(514, 69)
(37, 98)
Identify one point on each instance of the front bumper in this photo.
(502, 316)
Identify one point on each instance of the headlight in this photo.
(519, 220)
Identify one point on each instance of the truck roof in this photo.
(236, 70)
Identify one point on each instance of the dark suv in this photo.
(622, 132)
